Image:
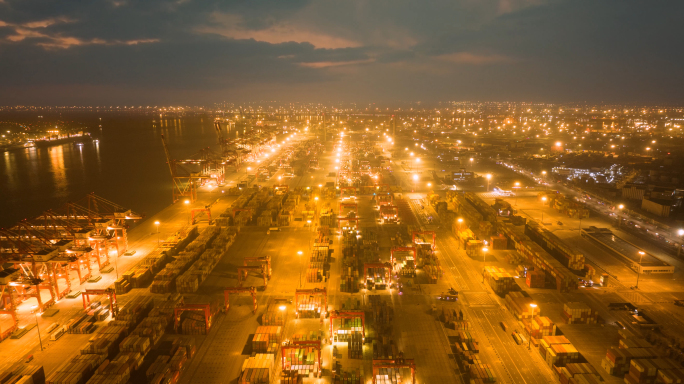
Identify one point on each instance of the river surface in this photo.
(125, 164)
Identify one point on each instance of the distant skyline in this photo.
(186, 52)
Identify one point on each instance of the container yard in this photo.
(309, 277)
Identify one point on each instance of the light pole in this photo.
(471, 163)
(544, 179)
(489, 177)
(619, 217)
(187, 204)
(641, 257)
(484, 261)
(300, 268)
(529, 337)
(35, 313)
(517, 186)
(542, 208)
(460, 228)
(157, 224)
(415, 182)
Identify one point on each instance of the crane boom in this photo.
(168, 157)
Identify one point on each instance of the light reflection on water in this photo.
(126, 165)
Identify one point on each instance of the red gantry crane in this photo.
(397, 363)
(9, 310)
(386, 266)
(348, 315)
(243, 271)
(296, 344)
(185, 181)
(28, 255)
(312, 292)
(60, 229)
(204, 308)
(351, 192)
(419, 234)
(403, 249)
(389, 213)
(264, 261)
(250, 290)
(196, 212)
(110, 292)
(348, 223)
(353, 206)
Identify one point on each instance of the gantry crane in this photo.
(100, 230)
(402, 249)
(386, 266)
(110, 292)
(28, 255)
(236, 210)
(250, 290)
(418, 234)
(397, 363)
(10, 309)
(353, 206)
(264, 261)
(383, 199)
(349, 315)
(389, 213)
(348, 223)
(185, 182)
(183, 185)
(281, 189)
(206, 210)
(347, 189)
(204, 308)
(229, 150)
(312, 292)
(243, 271)
(113, 211)
(296, 344)
(384, 189)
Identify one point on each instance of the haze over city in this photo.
(200, 52)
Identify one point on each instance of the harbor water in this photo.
(124, 163)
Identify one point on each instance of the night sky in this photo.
(192, 52)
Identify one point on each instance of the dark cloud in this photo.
(193, 52)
